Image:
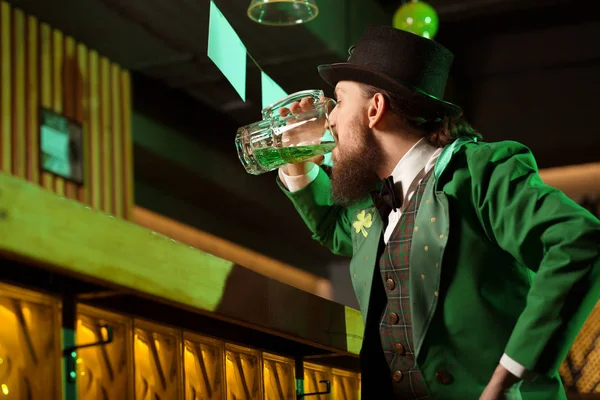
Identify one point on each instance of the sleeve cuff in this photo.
(515, 368)
(297, 182)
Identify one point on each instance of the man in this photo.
(473, 277)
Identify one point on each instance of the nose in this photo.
(333, 122)
(333, 117)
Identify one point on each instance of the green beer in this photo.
(270, 158)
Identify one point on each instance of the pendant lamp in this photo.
(282, 12)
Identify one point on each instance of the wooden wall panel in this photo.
(57, 91)
(40, 67)
(117, 140)
(5, 88)
(105, 135)
(127, 136)
(82, 102)
(33, 93)
(46, 178)
(69, 79)
(18, 94)
(94, 138)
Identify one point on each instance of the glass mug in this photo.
(276, 141)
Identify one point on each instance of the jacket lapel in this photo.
(432, 227)
(366, 232)
(429, 240)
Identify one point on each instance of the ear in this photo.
(376, 109)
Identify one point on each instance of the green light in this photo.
(73, 354)
(73, 374)
(417, 17)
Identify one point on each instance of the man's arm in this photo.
(310, 192)
(550, 234)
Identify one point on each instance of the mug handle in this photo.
(270, 111)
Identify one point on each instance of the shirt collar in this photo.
(421, 155)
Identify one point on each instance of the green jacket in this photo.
(500, 263)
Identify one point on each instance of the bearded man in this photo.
(473, 276)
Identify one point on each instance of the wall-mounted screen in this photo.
(61, 146)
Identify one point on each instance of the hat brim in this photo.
(429, 105)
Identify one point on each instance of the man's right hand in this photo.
(301, 168)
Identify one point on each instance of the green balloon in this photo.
(417, 17)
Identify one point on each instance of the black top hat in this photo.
(407, 65)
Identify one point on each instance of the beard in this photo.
(353, 175)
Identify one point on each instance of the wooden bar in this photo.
(82, 110)
(57, 91)
(47, 179)
(19, 155)
(94, 142)
(576, 181)
(70, 238)
(69, 78)
(33, 101)
(117, 141)
(105, 136)
(219, 247)
(5, 88)
(127, 135)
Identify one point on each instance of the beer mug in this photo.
(276, 141)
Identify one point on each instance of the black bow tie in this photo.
(388, 198)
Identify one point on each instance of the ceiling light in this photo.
(282, 12)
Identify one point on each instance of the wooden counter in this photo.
(63, 236)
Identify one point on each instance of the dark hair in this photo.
(438, 131)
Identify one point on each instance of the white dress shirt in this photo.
(410, 170)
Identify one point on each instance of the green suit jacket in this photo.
(500, 263)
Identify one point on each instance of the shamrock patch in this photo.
(363, 221)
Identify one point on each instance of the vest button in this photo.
(394, 318)
(390, 284)
(444, 377)
(399, 349)
(397, 376)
